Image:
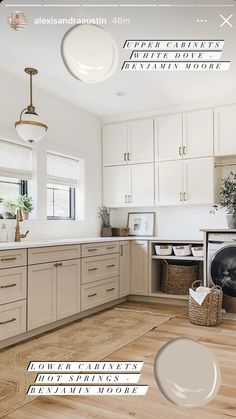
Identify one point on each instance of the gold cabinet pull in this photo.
(8, 259)
(129, 156)
(184, 150)
(180, 151)
(110, 266)
(125, 156)
(110, 289)
(185, 196)
(7, 286)
(92, 295)
(181, 196)
(92, 250)
(92, 269)
(111, 247)
(8, 321)
(121, 250)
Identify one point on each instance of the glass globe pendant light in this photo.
(89, 53)
(29, 128)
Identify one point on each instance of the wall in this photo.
(176, 222)
(71, 131)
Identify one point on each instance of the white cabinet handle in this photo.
(8, 321)
(8, 286)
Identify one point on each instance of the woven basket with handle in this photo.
(176, 279)
(209, 312)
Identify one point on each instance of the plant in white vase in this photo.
(25, 204)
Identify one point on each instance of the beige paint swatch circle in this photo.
(187, 372)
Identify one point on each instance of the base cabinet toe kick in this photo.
(43, 288)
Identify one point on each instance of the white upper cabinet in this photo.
(198, 175)
(198, 134)
(128, 142)
(128, 185)
(169, 183)
(142, 185)
(116, 186)
(115, 144)
(168, 137)
(225, 130)
(141, 141)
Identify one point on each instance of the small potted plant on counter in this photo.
(25, 204)
(228, 199)
(104, 215)
(10, 206)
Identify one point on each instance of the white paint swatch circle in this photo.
(187, 372)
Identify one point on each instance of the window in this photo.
(15, 170)
(62, 183)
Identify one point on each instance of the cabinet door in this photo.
(169, 137)
(116, 186)
(198, 181)
(115, 143)
(124, 268)
(225, 130)
(139, 267)
(198, 134)
(68, 288)
(141, 141)
(169, 183)
(41, 295)
(142, 185)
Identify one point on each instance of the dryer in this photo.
(221, 266)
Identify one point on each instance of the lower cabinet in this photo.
(12, 319)
(139, 267)
(124, 268)
(53, 292)
(99, 292)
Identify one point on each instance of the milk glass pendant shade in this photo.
(29, 128)
(89, 53)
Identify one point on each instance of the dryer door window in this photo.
(223, 269)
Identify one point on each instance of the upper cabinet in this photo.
(184, 136)
(168, 137)
(225, 130)
(198, 128)
(128, 142)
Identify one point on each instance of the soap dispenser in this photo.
(3, 234)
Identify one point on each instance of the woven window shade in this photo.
(62, 170)
(15, 160)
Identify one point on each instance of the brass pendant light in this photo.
(29, 128)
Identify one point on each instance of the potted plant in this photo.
(25, 203)
(228, 199)
(10, 206)
(104, 215)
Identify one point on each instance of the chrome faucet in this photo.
(19, 219)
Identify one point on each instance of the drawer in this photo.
(101, 292)
(12, 285)
(53, 254)
(12, 258)
(100, 267)
(12, 319)
(97, 249)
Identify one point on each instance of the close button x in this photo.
(226, 20)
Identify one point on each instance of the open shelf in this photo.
(173, 257)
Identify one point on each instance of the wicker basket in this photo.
(177, 279)
(209, 313)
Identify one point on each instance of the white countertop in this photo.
(25, 244)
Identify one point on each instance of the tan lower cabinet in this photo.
(99, 292)
(12, 284)
(124, 268)
(53, 292)
(12, 319)
(139, 267)
(41, 295)
(68, 292)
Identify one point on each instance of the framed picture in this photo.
(141, 223)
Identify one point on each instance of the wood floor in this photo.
(221, 340)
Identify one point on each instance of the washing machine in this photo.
(221, 266)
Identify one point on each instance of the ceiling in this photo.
(39, 46)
